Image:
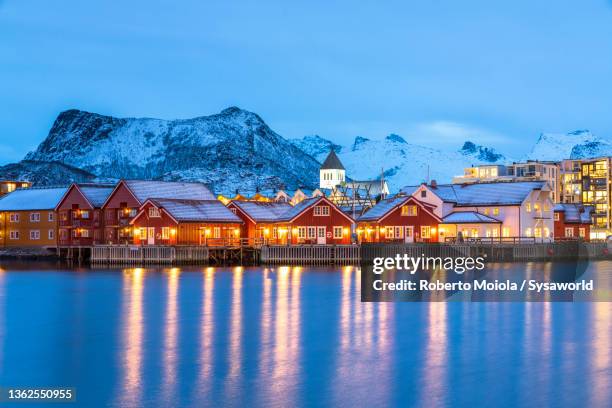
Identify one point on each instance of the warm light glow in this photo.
(207, 232)
(173, 231)
(266, 231)
(433, 230)
(237, 232)
(345, 230)
(282, 231)
(294, 231)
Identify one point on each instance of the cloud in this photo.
(442, 132)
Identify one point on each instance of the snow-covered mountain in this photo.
(580, 144)
(401, 162)
(230, 150)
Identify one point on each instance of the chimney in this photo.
(434, 183)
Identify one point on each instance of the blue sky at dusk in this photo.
(435, 72)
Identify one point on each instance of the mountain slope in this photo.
(403, 163)
(45, 173)
(580, 144)
(229, 150)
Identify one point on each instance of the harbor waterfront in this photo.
(292, 336)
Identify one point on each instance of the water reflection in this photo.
(235, 336)
(434, 370)
(207, 324)
(170, 351)
(132, 336)
(2, 317)
(601, 361)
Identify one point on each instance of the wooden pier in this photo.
(142, 255)
(311, 254)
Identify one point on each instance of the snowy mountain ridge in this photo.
(579, 144)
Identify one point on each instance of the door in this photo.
(151, 236)
(321, 236)
(409, 236)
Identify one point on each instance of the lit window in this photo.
(537, 232)
(556, 216)
(301, 232)
(312, 232)
(505, 232)
(546, 232)
(85, 214)
(569, 232)
(85, 233)
(165, 232)
(582, 232)
(495, 211)
(389, 232)
(528, 207)
(425, 231)
(409, 210)
(528, 232)
(485, 211)
(142, 232)
(399, 232)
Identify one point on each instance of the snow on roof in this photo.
(575, 213)
(468, 217)
(294, 211)
(32, 199)
(144, 189)
(382, 208)
(502, 193)
(196, 210)
(96, 194)
(332, 162)
(262, 211)
(408, 190)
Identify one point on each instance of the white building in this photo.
(331, 172)
(491, 210)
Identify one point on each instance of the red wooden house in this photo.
(572, 221)
(164, 221)
(399, 219)
(128, 196)
(259, 217)
(312, 221)
(80, 217)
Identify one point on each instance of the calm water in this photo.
(290, 337)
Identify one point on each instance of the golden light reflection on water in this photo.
(132, 336)
(600, 352)
(170, 351)
(2, 317)
(235, 335)
(434, 370)
(207, 325)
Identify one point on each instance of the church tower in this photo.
(332, 171)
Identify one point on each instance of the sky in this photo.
(437, 72)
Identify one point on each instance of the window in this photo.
(312, 232)
(85, 214)
(14, 235)
(546, 232)
(34, 217)
(556, 216)
(582, 232)
(423, 193)
(301, 232)
(425, 231)
(399, 232)
(527, 232)
(14, 217)
(537, 232)
(546, 206)
(233, 210)
(528, 207)
(409, 210)
(569, 232)
(485, 211)
(495, 233)
(495, 211)
(154, 212)
(165, 232)
(142, 233)
(475, 232)
(505, 232)
(51, 217)
(85, 233)
(217, 232)
(337, 232)
(34, 234)
(536, 207)
(389, 232)
(274, 232)
(321, 210)
(51, 234)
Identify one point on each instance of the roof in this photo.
(262, 211)
(32, 199)
(332, 162)
(501, 193)
(196, 210)
(144, 189)
(96, 194)
(575, 213)
(383, 207)
(297, 209)
(468, 217)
